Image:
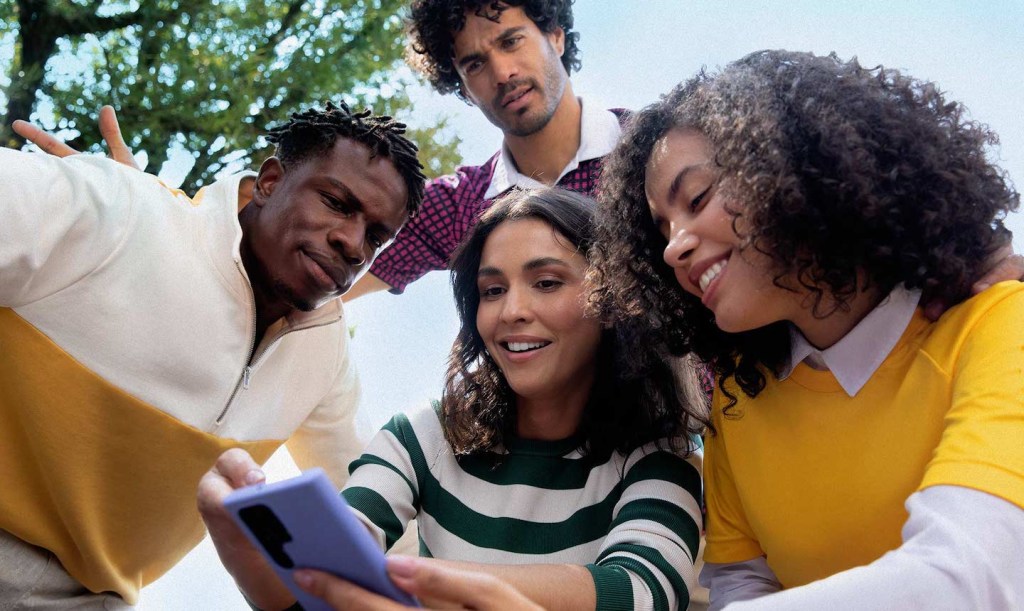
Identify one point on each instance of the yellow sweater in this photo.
(816, 480)
(127, 365)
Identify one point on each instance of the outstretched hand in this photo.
(435, 585)
(109, 129)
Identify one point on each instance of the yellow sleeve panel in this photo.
(816, 480)
(72, 444)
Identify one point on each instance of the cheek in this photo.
(486, 316)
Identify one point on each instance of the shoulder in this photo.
(466, 179)
(421, 426)
(658, 461)
(995, 316)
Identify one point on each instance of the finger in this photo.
(45, 141)
(239, 468)
(341, 594)
(1010, 267)
(934, 309)
(111, 132)
(468, 589)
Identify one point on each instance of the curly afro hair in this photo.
(835, 169)
(432, 24)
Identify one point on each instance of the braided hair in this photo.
(313, 131)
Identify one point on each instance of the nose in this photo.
(349, 240)
(504, 68)
(681, 243)
(516, 306)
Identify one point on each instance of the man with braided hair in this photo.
(143, 333)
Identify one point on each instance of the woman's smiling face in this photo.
(706, 254)
(531, 312)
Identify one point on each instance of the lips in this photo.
(699, 275)
(328, 276)
(522, 348)
(511, 98)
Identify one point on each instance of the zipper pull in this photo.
(246, 375)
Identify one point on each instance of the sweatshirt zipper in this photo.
(247, 370)
(253, 360)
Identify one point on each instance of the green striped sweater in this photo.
(634, 520)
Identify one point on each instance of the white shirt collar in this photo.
(599, 132)
(856, 357)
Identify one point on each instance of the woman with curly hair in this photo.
(562, 457)
(782, 220)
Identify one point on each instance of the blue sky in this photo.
(632, 52)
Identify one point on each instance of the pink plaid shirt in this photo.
(452, 204)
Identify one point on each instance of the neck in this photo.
(268, 307)
(544, 154)
(552, 418)
(823, 333)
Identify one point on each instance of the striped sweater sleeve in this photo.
(646, 561)
(384, 483)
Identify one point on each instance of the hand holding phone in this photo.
(304, 523)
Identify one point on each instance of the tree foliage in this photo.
(206, 76)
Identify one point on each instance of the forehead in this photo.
(515, 243)
(479, 31)
(677, 150)
(373, 180)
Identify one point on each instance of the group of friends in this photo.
(777, 308)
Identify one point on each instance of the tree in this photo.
(207, 76)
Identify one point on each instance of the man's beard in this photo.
(551, 93)
(288, 296)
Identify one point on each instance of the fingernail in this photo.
(401, 566)
(254, 476)
(304, 579)
(981, 286)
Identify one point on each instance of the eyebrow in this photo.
(357, 203)
(505, 34)
(529, 266)
(345, 191)
(677, 182)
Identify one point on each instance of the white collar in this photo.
(599, 132)
(856, 357)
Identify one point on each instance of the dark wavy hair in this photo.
(638, 397)
(432, 25)
(313, 131)
(834, 169)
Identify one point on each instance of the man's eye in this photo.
(375, 241)
(474, 67)
(511, 43)
(336, 204)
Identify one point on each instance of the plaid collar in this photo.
(599, 132)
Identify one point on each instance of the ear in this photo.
(271, 173)
(557, 38)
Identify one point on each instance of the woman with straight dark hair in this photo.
(563, 456)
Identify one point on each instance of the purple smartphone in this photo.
(303, 522)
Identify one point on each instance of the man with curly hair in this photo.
(512, 60)
(143, 333)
